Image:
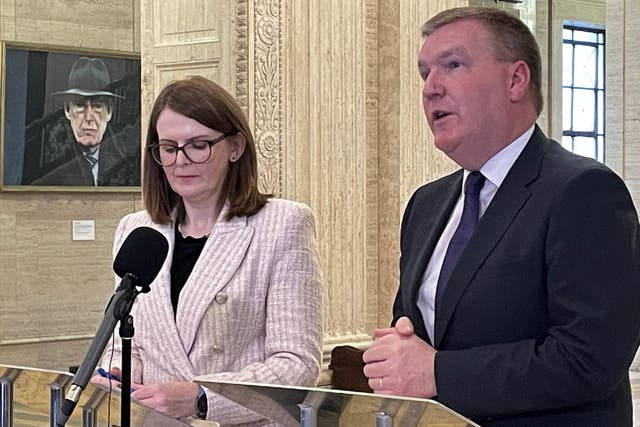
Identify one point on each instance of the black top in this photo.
(185, 254)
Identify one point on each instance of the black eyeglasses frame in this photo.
(211, 143)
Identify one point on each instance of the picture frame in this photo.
(70, 120)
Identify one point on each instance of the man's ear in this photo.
(66, 111)
(238, 144)
(109, 114)
(520, 80)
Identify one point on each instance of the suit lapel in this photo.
(221, 257)
(512, 195)
(158, 312)
(80, 173)
(429, 217)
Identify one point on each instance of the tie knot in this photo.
(474, 183)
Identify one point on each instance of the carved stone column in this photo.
(623, 89)
(622, 125)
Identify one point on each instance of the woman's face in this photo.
(198, 184)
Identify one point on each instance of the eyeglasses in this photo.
(79, 105)
(166, 154)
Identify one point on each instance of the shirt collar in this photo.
(497, 167)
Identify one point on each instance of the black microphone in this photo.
(138, 262)
(142, 254)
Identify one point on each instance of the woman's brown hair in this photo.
(209, 104)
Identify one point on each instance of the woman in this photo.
(239, 295)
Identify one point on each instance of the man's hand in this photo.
(177, 399)
(400, 363)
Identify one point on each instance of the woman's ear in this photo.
(238, 144)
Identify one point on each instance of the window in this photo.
(583, 90)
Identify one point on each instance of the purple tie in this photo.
(461, 236)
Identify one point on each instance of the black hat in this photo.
(88, 77)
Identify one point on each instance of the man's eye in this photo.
(454, 64)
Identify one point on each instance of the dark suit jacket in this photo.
(541, 317)
(118, 165)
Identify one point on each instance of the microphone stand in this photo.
(118, 309)
(126, 333)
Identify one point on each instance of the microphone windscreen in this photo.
(142, 254)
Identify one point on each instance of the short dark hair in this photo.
(210, 105)
(511, 40)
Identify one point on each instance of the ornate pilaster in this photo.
(268, 94)
(242, 55)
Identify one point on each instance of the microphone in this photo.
(142, 254)
(138, 262)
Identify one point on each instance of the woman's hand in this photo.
(177, 399)
(112, 377)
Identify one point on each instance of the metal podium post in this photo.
(6, 396)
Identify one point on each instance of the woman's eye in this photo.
(199, 145)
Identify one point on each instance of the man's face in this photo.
(88, 117)
(465, 92)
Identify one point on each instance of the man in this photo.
(88, 105)
(519, 300)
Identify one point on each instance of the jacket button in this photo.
(217, 349)
(221, 298)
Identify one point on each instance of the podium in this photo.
(323, 407)
(32, 397)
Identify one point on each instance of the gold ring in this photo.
(380, 382)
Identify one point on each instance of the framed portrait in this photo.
(70, 121)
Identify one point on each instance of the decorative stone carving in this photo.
(268, 94)
(242, 55)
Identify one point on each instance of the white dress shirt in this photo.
(494, 170)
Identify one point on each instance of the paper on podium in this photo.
(288, 406)
(32, 391)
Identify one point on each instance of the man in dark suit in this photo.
(117, 165)
(101, 159)
(519, 298)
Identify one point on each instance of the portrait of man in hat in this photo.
(99, 159)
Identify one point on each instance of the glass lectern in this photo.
(32, 397)
(320, 407)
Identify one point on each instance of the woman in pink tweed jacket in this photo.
(239, 295)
